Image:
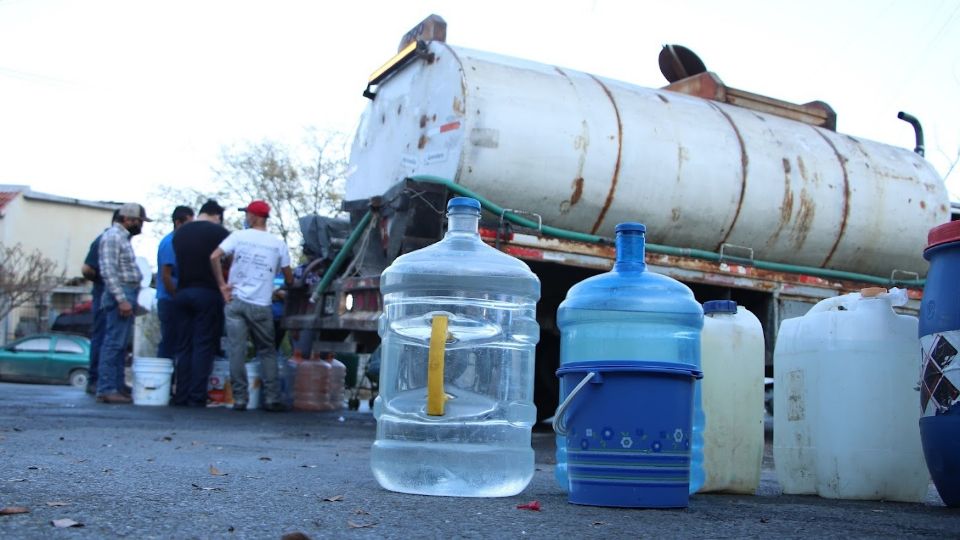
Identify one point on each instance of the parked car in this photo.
(46, 358)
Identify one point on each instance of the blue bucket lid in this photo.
(631, 227)
(719, 306)
(463, 202)
(620, 366)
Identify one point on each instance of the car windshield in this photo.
(34, 345)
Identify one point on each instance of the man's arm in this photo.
(287, 276)
(218, 274)
(166, 275)
(109, 265)
(88, 272)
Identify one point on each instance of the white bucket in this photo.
(151, 381)
(253, 384)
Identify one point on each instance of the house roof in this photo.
(8, 192)
(6, 197)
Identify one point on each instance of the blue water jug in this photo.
(458, 331)
(940, 366)
(632, 314)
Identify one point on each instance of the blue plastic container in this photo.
(628, 428)
(632, 314)
(940, 341)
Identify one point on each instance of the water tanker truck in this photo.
(745, 197)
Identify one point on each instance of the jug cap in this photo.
(719, 306)
(463, 202)
(631, 227)
(870, 292)
(943, 234)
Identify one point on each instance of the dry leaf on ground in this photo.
(201, 488)
(360, 525)
(532, 505)
(65, 523)
(361, 512)
(11, 510)
(216, 472)
(295, 536)
(58, 503)
(265, 458)
(335, 498)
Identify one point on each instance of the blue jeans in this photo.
(113, 352)
(96, 336)
(243, 319)
(199, 315)
(167, 348)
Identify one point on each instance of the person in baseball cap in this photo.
(133, 210)
(258, 208)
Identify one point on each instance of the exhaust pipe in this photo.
(917, 129)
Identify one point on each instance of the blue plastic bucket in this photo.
(628, 431)
(940, 371)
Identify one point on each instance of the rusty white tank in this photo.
(586, 153)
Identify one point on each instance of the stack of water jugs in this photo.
(635, 427)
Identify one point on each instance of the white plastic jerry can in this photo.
(845, 416)
(732, 358)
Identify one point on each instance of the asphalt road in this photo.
(145, 472)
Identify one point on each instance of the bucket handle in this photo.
(559, 426)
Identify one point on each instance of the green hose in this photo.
(341, 256)
(661, 249)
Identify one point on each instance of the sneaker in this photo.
(115, 398)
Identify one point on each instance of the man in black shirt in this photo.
(198, 304)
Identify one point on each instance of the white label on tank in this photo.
(410, 160)
(435, 157)
(939, 372)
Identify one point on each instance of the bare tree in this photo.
(296, 180)
(24, 277)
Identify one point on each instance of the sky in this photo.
(109, 99)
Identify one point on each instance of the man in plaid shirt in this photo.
(121, 280)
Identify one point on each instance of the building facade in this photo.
(61, 228)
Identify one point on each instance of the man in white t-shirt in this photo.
(256, 257)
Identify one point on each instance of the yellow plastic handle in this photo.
(436, 397)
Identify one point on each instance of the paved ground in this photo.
(139, 472)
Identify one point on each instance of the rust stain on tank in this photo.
(577, 191)
(422, 143)
(675, 215)
(808, 208)
(616, 169)
(786, 206)
(458, 106)
(744, 167)
(423, 121)
(803, 169)
(923, 205)
(842, 160)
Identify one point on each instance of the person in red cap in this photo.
(257, 256)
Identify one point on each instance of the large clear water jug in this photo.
(732, 358)
(458, 332)
(631, 313)
(845, 420)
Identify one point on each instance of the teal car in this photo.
(46, 358)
